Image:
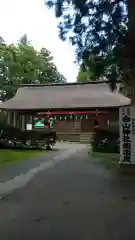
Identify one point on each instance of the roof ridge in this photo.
(64, 84)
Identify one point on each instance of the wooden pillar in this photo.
(23, 122)
(31, 119)
(14, 119)
(18, 120)
(8, 118)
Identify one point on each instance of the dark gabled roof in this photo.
(65, 96)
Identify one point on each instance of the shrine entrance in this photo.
(74, 126)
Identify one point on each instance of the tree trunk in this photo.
(131, 43)
(131, 19)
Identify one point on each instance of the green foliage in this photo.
(49, 72)
(82, 76)
(10, 132)
(22, 64)
(98, 29)
(92, 70)
(24, 40)
(3, 72)
(16, 156)
(106, 141)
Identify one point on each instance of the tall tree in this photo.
(24, 40)
(4, 78)
(97, 29)
(2, 41)
(49, 72)
(82, 76)
(25, 65)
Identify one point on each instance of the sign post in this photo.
(127, 138)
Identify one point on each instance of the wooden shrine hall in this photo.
(73, 107)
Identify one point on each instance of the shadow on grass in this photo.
(108, 160)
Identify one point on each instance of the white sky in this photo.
(18, 17)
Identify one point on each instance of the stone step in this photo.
(85, 138)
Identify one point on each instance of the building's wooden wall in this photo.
(73, 130)
(67, 125)
(69, 129)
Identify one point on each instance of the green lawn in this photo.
(8, 157)
(109, 160)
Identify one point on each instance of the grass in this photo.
(109, 160)
(8, 157)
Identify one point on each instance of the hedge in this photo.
(105, 141)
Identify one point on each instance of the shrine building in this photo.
(72, 106)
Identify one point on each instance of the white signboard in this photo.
(125, 121)
(133, 135)
(29, 127)
(127, 135)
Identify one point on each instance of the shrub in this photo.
(106, 141)
(12, 133)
